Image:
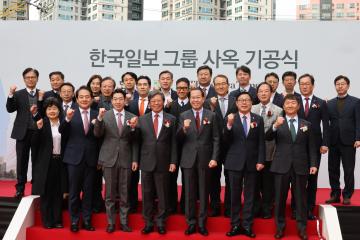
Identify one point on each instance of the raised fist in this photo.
(230, 119)
(69, 114)
(279, 121)
(13, 89)
(187, 123)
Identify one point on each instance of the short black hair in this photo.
(347, 80)
(133, 75)
(291, 97)
(167, 71)
(183, 79)
(52, 101)
(312, 79)
(288, 74)
(155, 93)
(83, 87)
(118, 90)
(57, 73)
(204, 68)
(144, 77)
(271, 74)
(244, 69)
(221, 76)
(244, 93)
(106, 79)
(30, 70)
(263, 83)
(67, 84)
(197, 89)
(95, 76)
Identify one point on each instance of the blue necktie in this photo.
(244, 123)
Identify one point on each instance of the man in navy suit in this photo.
(56, 80)
(81, 156)
(314, 110)
(204, 74)
(289, 82)
(166, 81)
(128, 80)
(243, 76)
(24, 126)
(344, 113)
(276, 98)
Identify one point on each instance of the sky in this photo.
(285, 10)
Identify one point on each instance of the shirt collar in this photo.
(160, 114)
(296, 118)
(226, 97)
(247, 88)
(200, 111)
(29, 90)
(116, 112)
(247, 115)
(68, 104)
(56, 124)
(81, 110)
(186, 100)
(309, 97)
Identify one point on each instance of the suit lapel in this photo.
(112, 121)
(151, 125)
(239, 122)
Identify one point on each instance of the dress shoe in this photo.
(125, 228)
(249, 233)
(293, 215)
(236, 230)
(190, 230)
(266, 215)
(279, 234)
(48, 227)
(333, 199)
(147, 229)
(203, 231)
(346, 201)
(88, 227)
(302, 234)
(74, 227)
(215, 212)
(19, 194)
(110, 228)
(161, 230)
(58, 225)
(311, 216)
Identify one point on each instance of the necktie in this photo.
(292, 129)
(142, 106)
(204, 90)
(197, 119)
(222, 106)
(242, 90)
(156, 124)
(182, 103)
(86, 121)
(32, 93)
(263, 111)
(66, 107)
(306, 107)
(245, 126)
(119, 123)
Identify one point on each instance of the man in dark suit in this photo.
(138, 107)
(204, 74)
(177, 107)
(243, 76)
(289, 82)
(295, 157)
(24, 126)
(222, 105)
(344, 114)
(314, 110)
(118, 157)
(107, 86)
(67, 93)
(244, 133)
(276, 98)
(166, 81)
(56, 80)
(128, 81)
(157, 158)
(199, 134)
(81, 156)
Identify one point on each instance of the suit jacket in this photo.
(20, 103)
(80, 146)
(156, 154)
(43, 157)
(273, 113)
(252, 92)
(245, 151)
(344, 126)
(203, 144)
(211, 92)
(116, 146)
(173, 94)
(176, 109)
(103, 103)
(301, 154)
(318, 113)
(278, 99)
(51, 93)
(133, 107)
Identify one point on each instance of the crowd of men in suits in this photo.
(264, 141)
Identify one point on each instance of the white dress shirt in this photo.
(186, 100)
(56, 137)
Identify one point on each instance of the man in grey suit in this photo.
(118, 156)
(158, 157)
(295, 157)
(199, 134)
(264, 195)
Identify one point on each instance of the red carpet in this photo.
(264, 229)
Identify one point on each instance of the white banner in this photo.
(80, 49)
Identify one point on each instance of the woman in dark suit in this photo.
(48, 179)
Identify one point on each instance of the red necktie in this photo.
(156, 124)
(197, 118)
(306, 107)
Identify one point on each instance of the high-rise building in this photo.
(328, 10)
(93, 10)
(218, 9)
(14, 10)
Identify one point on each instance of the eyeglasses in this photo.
(221, 84)
(244, 100)
(182, 88)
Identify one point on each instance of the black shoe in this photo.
(190, 230)
(48, 227)
(19, 194)
(279, 234)
(125, 228)
(311, 216)
(333, 199)
(249, 233)
(293, 214)
(58, 225)
(74, 227)
(88, 227)
(147, 229)
(302, 234)
(110, 228)
(346, 201)
(215, 212)
(161, 230)
(236, 230)
(266, 214)
(203, 231)
(227, 213)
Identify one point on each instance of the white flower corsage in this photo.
(304, 128)
(206, 121)
(167, 123)
(253, 124)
